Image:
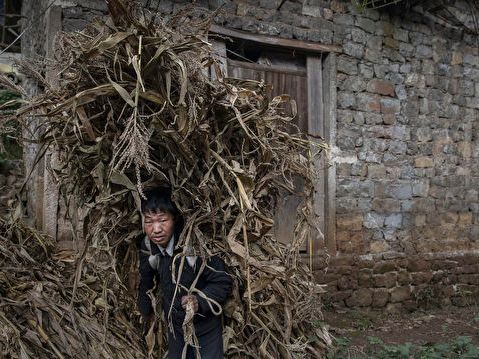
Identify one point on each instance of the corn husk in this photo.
(132, 105)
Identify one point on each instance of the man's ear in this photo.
(142, 221)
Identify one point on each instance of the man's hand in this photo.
(192, 299)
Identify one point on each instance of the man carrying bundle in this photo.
(162, 262)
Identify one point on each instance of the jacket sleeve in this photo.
(147, 282)
(218, 284)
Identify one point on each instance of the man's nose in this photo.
(157, 228)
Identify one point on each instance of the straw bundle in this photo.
(40, 317)
(134, 106)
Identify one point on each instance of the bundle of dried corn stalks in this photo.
(40, 317)
(134, 105)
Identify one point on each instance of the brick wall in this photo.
(407, 143)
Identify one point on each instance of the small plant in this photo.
(361, 321)
(427, 297)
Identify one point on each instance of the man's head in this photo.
(161, 217)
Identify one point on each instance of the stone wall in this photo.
(407, 153)
(399, 282)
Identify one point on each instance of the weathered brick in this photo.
(418, 265)
(380, 297)
(373, 220)
(381, 87)
(423, 162)
(390, 42)
(347, 282)
(365, 278)
(366, 102)
(400, 294)
(360, 298)
(390, 106)
(387, 280)
(385, 266)
(403, 277)
(379, 246)
(421, 277)
(386, 205)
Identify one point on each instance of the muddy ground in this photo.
(422, 327)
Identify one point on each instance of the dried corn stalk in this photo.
(135, 106)
(40, 317)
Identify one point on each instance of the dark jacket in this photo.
(214, 282)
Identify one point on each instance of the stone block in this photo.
(372, 118)
(354, 188)
(380, 297)
(465, 218)
(351, 222)
(322, 35)
(387, 280)
(365, 278)
(373, 220)
(418, 265)
(386, 205)
(389, 119)
(390, 106)
(381, 87)
(311, 9)
(367, 102)
(359, 36)
(391, 42)
(353, 84)
(421, 277)
(400, 92)
(403, 277)
(347, 282)
(347, 66)
(346, 100)
(400, 294)
(423, 162)
(366, 71)
(353, 49)
(394, 220)
(366, 24)
(420, 188)
(385, 266)
(401, 34)
(399, 190)
(379, 246)
(376, 171)
(375, 56)
(360, 298)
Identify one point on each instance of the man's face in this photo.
(159, 227)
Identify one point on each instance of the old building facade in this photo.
(395, 92)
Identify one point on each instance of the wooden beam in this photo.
(266, 68)
(53, 19)
(298, 45)
(329, 115)
(316, 128)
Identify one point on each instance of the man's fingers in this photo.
(189, 298)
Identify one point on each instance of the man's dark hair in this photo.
(159, 200)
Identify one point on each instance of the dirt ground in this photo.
(419, 327)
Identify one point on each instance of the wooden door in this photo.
(284, 78)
